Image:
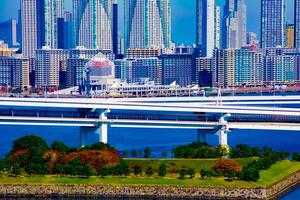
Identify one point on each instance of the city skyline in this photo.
(183, 17)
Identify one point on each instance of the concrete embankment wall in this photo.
(191, 192)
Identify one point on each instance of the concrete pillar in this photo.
(102, 130)
(223, 141)
(83, 136)
(201, 136)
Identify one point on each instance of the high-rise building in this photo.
(8, 32)
(273, 23)
(93, 23)
(235, 67)
(48, 65)
(206, 27)
(203, 72)
(218, 27)
(39, 24)
(5, 50)
(14, 71)
(32, 13)
(144, 53)
(290, 35)
(68, 31)
(179, 68)
(115, 36)
(297, 23)
(147, 23)
(54, 10)
(252, 38)
(136, 70)
(19, 28)
(123, 69)
(234, 24)
(223, 67)
(248, 67)
(75, 71)
(60, 33)
(281, 68)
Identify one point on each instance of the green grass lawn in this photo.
(276, 173)
(175, 165)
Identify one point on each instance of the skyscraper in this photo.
(206, 27)
(8, 32)
(54, 10)
(297, 24)
(68, 31)
(32, 31)
(290, 35)
(234, 31)
(39, 24)
(273, 19)
(93, 22)
(147, 23)
(115, 38)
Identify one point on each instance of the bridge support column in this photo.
(102, 129)
(83, 136)
(223, 138)
(201, 136)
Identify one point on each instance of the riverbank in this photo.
(148, 191)
(274, 182)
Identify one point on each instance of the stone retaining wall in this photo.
(192, 192)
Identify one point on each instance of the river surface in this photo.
(157, 139)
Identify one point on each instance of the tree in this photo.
(164, 154)
(147, 152)
(125, 154)
(104, 172)
(137, 170)
(87, 170)
(250, 174)
(16, 170)
(224, 166)
(149, 171)
(30, 142)
(191, 173)
(162, 170)
(140, 153)
(59, 146)
(182, 174)
(134, 153)
(124, 169)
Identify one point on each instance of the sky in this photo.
(183, 16)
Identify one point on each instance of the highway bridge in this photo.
(205, 114)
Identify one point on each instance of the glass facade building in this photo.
(297, 24)
(206, 27)
(14, 71)
(234, 29)
(93, 23)
(147, 23)
(33, 32)
(273, 23)
(179, 68)
(54, 9)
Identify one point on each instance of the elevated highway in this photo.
(207, 115)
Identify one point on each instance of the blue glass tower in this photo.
(93, 23)
(297, 23)
(206, 27)
(147, 23)
(273, 23)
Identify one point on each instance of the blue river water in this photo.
(158, 140)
